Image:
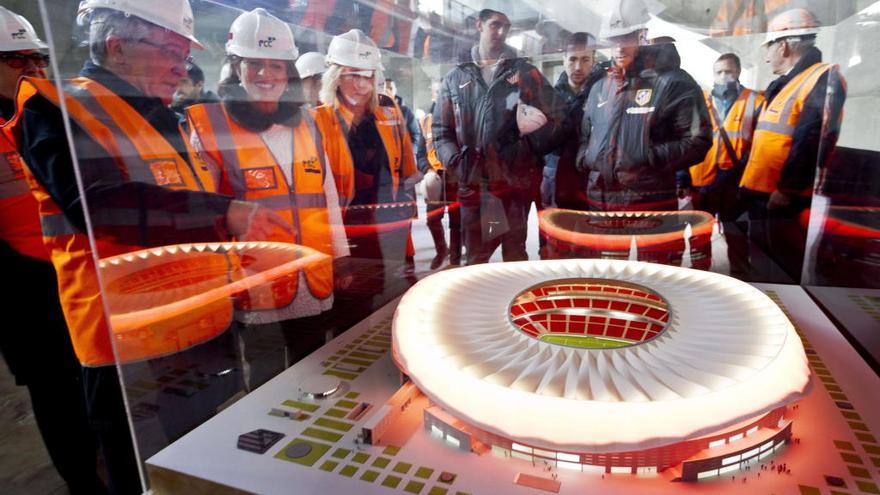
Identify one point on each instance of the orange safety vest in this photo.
(426, 125)
(143, 155)
(774, 133)
(334, 121)
(19, 222)
(739, 126)
(250, 172)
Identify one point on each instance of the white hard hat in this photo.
(529, 119)
(790, 24)
(173, 15)
(432, 186)
(627, 16)
(259, 34)
(354, 49)
(310, 64)
(17, 33)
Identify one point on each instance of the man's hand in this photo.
(251, 222)
(778, 200)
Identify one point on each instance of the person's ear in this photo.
(116, 49)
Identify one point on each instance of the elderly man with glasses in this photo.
(142, 189)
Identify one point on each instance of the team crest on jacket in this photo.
(643, 96)
(165, 172)
(513, 78)
(260, 178)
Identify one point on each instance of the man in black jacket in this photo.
(494, 154)
(641, 124)
(562, 185)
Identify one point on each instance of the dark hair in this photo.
(195, 73)
(485, 14)
(240, 108)
(733, 58)
(580, 38)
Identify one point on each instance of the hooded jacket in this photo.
(638, 130)
(475, 130)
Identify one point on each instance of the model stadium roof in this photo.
(727, 354)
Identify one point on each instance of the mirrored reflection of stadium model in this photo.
(600, 365)
(655, 236)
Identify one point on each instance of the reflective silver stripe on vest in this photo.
(226, 147)
(136, 168)
(16, 187)
(782, 126)
(282, 201)
(57, 225)
(319, 142)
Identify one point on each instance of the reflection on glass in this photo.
(213, 221)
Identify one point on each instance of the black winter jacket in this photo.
(475, 131)
(638, 131)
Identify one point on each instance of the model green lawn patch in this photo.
(322, 434)
(402, 467)
(583, 341)
(363, 355)
(424, 472)
(357, 362)
(328, 466)
(844, 445)
(336, 413)
(305, 406)
(341, 453)
(414, 487)
(381, 462)
(391, 450)
(318, 449)
(370, 476)
(438, 490)
(352, 395)
(360, 458)
(333, 424)
(391, 481)
(345, 403)
(348, 471)
(340, 374)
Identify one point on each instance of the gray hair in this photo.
(800, 45)
(330, 85)
(105, 23)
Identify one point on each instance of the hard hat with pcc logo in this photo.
(791, 24)
(17, 33)
(173, 15)
(354, 49)
(259, 34)
(310, 64)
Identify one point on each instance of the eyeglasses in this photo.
(21, 60)
(174, 55)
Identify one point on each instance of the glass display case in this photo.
(235, 194)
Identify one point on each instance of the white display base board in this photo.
(835, 433)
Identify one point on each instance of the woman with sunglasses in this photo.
(372, 157)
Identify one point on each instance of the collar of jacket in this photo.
(7, 109)
(239, 107)
(507, 53)
(143, 104)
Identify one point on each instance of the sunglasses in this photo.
(20, 61)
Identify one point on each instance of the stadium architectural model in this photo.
(601, 363)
